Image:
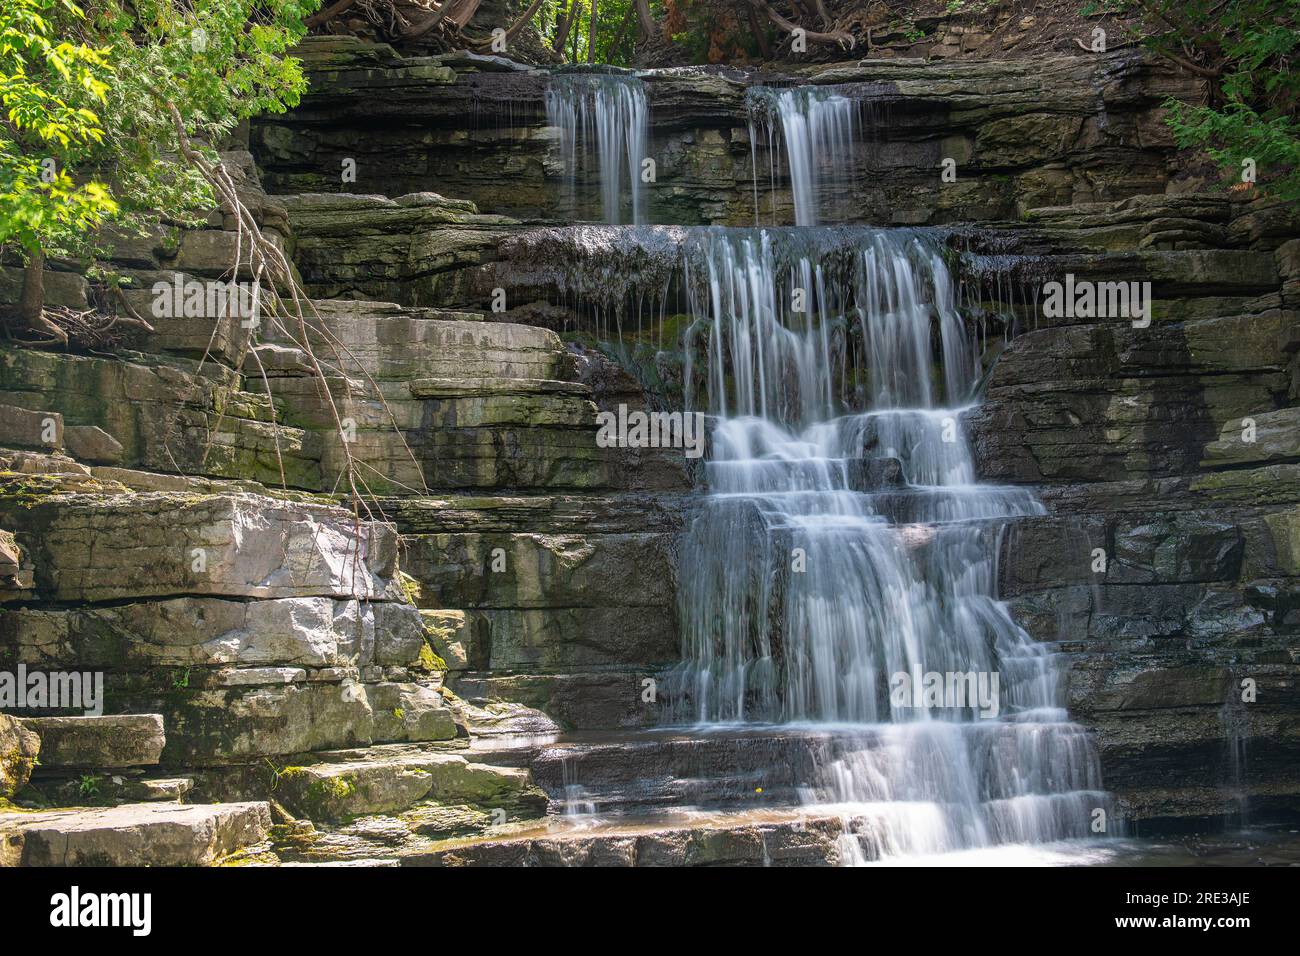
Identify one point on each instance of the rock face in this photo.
(174, 515)
(1166, 455)
(19, 749)
(1024, 134)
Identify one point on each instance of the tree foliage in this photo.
(92, 96)
(1247, 51)
(51, 90)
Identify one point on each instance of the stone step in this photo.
(396, 344)
(99, 743)
(134, 834)
(163, 545)
(479, 387)
(601, 772)
(555, 513)
(755, 838)
(154, 413)
(390, 779)
(111, 789)
(540, 570)
(592, 699)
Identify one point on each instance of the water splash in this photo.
(603, 121)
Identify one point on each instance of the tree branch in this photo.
(329, 13)
(844, 41)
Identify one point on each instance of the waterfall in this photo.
(818, 129)
(607, 111)
(844, 542)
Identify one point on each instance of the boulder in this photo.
(92, 444)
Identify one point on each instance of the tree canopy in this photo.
(95, 99)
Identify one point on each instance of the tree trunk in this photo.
(565, 25)
(328, 13)
(464, 11)
(31, 302)
(645, 18)
(756, 28)
(417, 30)
(591, 35)
(622, 34)
(519, 24)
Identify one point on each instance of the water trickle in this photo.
(603, 121)
(818, 127)
(845, 541)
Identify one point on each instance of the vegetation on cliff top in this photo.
(95, 102)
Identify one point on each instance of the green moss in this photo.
(8, 806)
(410, 587)
(429, 661)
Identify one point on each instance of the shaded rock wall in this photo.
(1165, 568)
(1023, 133)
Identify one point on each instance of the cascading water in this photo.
(607, 111)
(818, 129)
(811, 580)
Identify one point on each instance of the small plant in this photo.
(88, 786)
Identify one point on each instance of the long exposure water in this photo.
(817, 129)
(812, 580)
(602, 120)
(841, 576)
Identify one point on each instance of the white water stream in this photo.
(602, 120)
(805, 589)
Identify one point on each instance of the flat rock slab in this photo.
(121, 740)
(479, 387)
(135, 834)
(90, 549)
(784, 839)
(387, 779)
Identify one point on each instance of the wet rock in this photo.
(800, 841)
